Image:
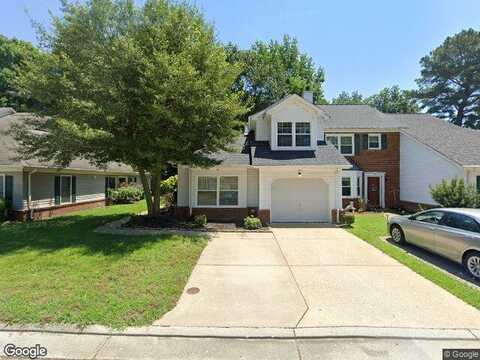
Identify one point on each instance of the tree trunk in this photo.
(147, 190)
(156, 179)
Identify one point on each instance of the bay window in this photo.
(342, 142)
(217, 191)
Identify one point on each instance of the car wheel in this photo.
(397, 234)
(471, 262)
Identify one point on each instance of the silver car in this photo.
(453, 233)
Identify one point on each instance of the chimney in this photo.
(308, 95)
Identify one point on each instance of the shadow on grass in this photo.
(439, 261)
(73, 231)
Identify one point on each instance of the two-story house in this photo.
(300, 162)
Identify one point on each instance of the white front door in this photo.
(299, 200)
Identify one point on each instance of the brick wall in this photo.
(39, 214)
(387, 161)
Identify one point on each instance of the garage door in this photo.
(299, 200)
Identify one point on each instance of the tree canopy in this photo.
(272, 70)
(388, 100)
(13, 55)
(144, 86)
(449, 86)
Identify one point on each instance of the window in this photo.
(344, 142)
(207, 190)
(284, 134)
(374, 142)
(478, 184)
(2, 185)
(132, 179)
(217, 191)
(461, 222)
(302, 134)
(228, 190)
(65, 189)
(431, 217)
(346, 186)
(359, 187)
(122, 181)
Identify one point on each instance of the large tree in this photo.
(145, 86)
(449, 86)
(394, 100)
(388, 100)
(13, 55)
(274, 69)
(346, 98)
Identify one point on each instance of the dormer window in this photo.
(293, 134)
(302, 134)
(284, 134)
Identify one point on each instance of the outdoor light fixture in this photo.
(300, 173)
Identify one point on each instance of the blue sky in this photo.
(362, 45)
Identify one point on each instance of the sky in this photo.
(362, 45)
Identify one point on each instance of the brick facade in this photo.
(39, 214)
(387, 161)
(264, 216)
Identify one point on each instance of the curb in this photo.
(254, 333)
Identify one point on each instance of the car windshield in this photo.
(431, 217)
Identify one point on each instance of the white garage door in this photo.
(299, 200)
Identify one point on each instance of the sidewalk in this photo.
(246, 343)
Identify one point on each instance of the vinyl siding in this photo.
(421, 166)
(182, 186)
(252, 187)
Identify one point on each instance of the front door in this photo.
(373, 191)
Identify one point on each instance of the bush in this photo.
(168, 187)
(348, 218)
(252, 223)
(126, 194)
(455, 193)
(200, 220)
(3, 208)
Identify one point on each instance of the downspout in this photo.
(29, 194)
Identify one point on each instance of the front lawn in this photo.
(60, 271)
(370, 227)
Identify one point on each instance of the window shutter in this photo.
(364, 141)
(384, 142)
(57, 190)
(9, 188)
(357, 144)
(74, 189)
(478, 184)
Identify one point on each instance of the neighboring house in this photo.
(301, 162)
(38, 190)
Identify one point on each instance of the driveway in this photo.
(310, 277)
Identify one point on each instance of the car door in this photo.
(455, 233)
(420, 228)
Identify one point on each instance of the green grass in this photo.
(370, 227)
(60, 271)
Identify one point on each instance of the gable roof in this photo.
(283, 100)
(459, 144)
(8, 154)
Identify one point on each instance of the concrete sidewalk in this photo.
(316, 343)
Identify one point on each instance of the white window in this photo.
(346, 186)
(374, 141)
(284, 134)
(342, 142)
(302, 134)
(293, 134)
(217, 191)
(65, 189)
(2, 185)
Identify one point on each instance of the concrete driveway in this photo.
(310, 277)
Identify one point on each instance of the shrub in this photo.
(348, 218)
(3, 208)
(126, 194)
(455, 193)
(252, 223)
(200, 220)
(168, 187)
